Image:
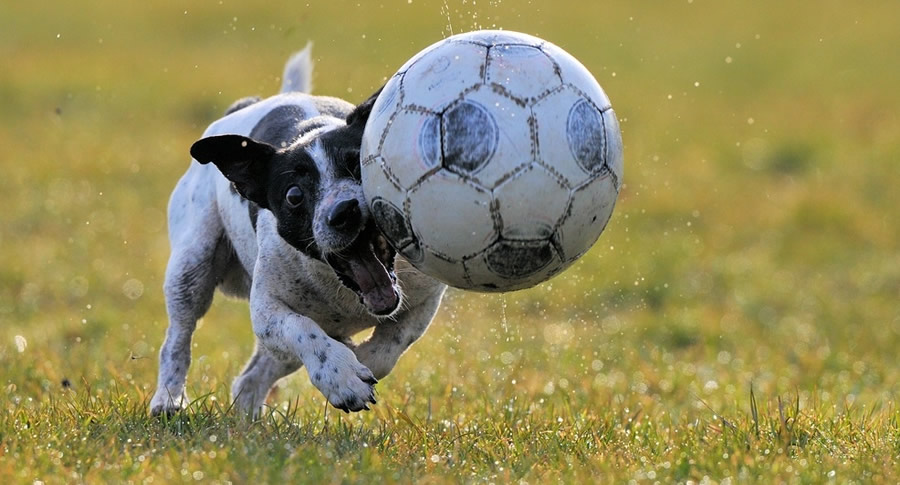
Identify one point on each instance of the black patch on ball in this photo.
(413, 252)
(587, 138)
(469, 136)
(430, 141)
(511, 259)
(392, 222)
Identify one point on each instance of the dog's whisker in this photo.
(295, 323)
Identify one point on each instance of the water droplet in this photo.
(133, 289)
(21, 343)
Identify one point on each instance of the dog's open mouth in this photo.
(367, 268)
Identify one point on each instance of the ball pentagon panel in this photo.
(512, 265)
(514, 147)
(468, 137)
(569, 132)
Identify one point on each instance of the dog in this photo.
(272, 209)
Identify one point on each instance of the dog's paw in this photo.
(167, 402)
(347, 384)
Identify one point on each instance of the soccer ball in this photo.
(492, 160)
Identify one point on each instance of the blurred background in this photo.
(755, 241)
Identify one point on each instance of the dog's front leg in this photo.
(333, 368)
(390, 339)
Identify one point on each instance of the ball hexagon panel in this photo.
(575, 74)
(424, 52)
(451, 272)
(492, 160)
(437, 79)
(589, 211)
(469, 136)
(497, 37)
(614, 149)
(412, 146)
(377, 184)
(522, 71)
(434, 207)
(381, 117)
(514, 147)
(559, 121)
(530, 204)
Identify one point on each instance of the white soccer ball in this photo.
(492, 160)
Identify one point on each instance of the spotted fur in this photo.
(231, 228)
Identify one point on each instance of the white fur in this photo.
(301, 313)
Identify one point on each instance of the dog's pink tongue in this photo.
(374, 283)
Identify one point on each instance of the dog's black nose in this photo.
(345, 213)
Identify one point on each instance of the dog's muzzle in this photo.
(367, 268)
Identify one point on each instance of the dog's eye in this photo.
(294, 196)
(353, 164)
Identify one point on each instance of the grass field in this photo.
(738, 322)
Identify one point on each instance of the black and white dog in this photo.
(279, 217)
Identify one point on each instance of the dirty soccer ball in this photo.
(492, 160)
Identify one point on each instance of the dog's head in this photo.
(313, 188)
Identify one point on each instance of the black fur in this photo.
(263, 173)
(242, 103)
(279, 127)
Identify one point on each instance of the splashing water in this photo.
(445, 9)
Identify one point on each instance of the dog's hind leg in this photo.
(200, 255)
(250, 389)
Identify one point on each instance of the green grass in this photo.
(737, 322)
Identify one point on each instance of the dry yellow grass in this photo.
(755, 246)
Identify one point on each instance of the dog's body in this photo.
(287, 227)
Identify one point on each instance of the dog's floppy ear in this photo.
(243, 161)
(361, 113)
